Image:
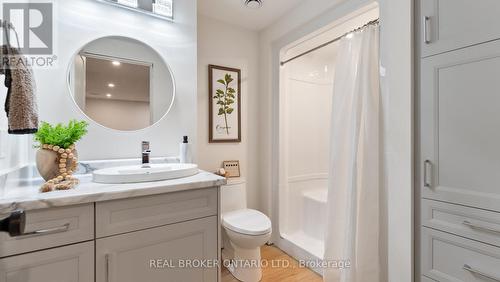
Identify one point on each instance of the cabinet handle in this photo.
(480, 227)
(480, 273)
(42, 232)
(107, 257)
(427, 174)
(427, 27)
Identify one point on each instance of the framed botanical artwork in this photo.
(224, 88)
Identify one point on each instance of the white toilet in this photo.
(244, 232)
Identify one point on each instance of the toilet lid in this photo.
(247, 221)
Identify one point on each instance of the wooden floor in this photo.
(273, 274)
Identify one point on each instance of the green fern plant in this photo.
(61, 135)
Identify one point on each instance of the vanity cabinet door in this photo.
(74, 263)
(460, 127)
(447, 25)
(153, 255)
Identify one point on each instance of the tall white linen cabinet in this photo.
(457, 178)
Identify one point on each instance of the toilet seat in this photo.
(247, 221)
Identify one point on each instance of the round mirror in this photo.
(121, 83)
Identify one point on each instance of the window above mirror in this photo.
(158, 8)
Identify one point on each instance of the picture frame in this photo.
(232, 168)
(224, 88)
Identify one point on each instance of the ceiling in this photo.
(235, 12)
(131, 81)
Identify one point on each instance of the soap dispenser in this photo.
(185, 151)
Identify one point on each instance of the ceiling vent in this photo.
(253, 4)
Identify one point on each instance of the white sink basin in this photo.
(136, 173)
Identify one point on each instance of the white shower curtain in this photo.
(353, 195)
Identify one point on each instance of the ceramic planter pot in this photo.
(48, 161)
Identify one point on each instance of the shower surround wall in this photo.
(307, 101)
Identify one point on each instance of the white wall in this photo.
(396, 59)
(81, 21)
(397, 89)
(13, 148)
(226, 45)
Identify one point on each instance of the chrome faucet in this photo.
(146, 152)
(86, 167)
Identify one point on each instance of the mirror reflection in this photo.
(121, 83)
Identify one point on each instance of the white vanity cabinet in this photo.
(131, 233)
(446, 25)
(155, 238)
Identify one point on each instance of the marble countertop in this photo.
(26, 195)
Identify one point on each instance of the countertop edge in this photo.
(109, 192)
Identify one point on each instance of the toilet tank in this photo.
(234, 195)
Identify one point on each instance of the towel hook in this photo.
(6, 25)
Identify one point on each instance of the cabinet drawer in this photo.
(154, 255)
(115, 217)
(64, 264)
(448, 258)
(426, 279)
(468, 222)
(55, 226)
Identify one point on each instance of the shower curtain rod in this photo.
(374, 22)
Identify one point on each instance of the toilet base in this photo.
(241, 253)
(243, 264)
